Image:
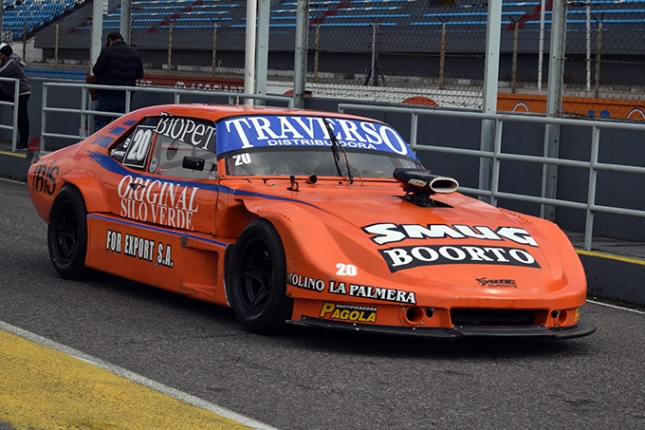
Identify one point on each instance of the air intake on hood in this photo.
(419, 184)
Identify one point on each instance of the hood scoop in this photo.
(420, 184)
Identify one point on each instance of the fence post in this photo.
(262, 56)
(491, 78)
(588, 44)
(214, 63)
(554, 105)
(24, 40)
(414, 130)
(375, 26)
(96, 33)
(442, 56)
(249, 55)
(16, 101)
(43, 116)
(125, 20)
(497, 150)
(317, 52)
(300, 60)
(541, 45)
(56, 44)
(598, 55)
(169, 45)
(516, 26)
(591, 192)
(83, 130)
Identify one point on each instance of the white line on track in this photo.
(134, 377)
(13, 181)
(636, 311)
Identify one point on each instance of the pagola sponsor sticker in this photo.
(308, 131)
(345, 312)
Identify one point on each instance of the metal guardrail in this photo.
(86, 112)
(497, 156)
(14, 124)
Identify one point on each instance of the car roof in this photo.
(216, 112)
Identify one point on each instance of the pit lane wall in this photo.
(614, 189)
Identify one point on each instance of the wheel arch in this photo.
(288, 220)
(93, 194)
(273, 219)
(67, 233)
(255, 290)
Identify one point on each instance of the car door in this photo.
(168, 176)
(163, 194)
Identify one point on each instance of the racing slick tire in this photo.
(256, 287)
(67, 234)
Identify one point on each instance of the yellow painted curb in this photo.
(41, 388)
(13, 154)
(611, 257)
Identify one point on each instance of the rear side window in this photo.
(134, 149)
(171, 146)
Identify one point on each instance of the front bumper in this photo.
(581, 329)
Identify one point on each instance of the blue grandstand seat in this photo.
(356, 24)
(329, 13)
(369, 17)
(32, 13)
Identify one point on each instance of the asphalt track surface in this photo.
(306, 379)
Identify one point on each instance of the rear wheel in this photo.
(67, 234)
(256, 286)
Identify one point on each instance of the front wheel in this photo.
(256, 287)
(67, 234)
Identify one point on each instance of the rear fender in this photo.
(94, 195)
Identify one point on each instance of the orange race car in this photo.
(302, 217)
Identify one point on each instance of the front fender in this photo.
(316, 244)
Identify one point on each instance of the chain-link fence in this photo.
(427, 51)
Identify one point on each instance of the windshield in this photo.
(316, 161)
(301, 145)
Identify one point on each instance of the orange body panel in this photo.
(356, 252)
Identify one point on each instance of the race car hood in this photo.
(460, 246)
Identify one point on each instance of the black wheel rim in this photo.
(256, 276)
(66, 229)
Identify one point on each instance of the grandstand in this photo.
(407, 15)
(409, 33)
(26, 17)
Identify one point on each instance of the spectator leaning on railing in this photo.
(12, 66)
(120, 65)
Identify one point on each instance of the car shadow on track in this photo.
(415, 347)
(159, 300)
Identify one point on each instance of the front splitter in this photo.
(581, 329)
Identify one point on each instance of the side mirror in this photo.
(193, 163)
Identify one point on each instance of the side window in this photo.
(136, 154)
(134, 149)
(181, 147)
(184, 148)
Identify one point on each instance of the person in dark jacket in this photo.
(118, 64)
(12, 66)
